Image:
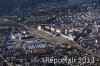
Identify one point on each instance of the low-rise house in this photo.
(58, 30)
(53, 29)
(41, 26)
(19, 36)
(47, 27)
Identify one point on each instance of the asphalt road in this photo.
(59, 39)
(9, 64)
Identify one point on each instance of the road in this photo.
(9, 64)
(59, 39)
(55, 39)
